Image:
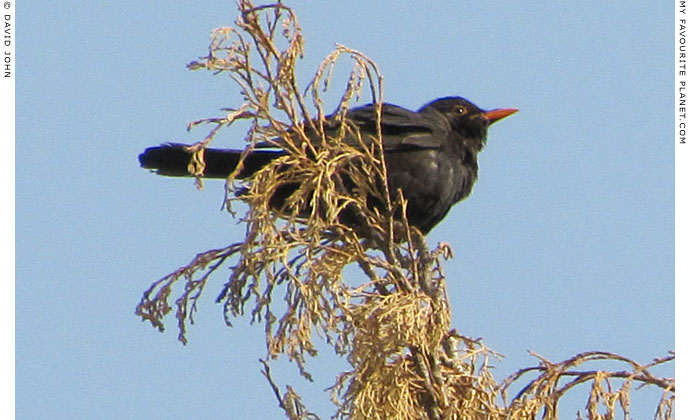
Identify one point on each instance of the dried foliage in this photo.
(393, 324)
(609, 390)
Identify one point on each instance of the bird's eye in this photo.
(459, 109)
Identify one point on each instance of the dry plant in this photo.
(393, 324)
(609, 390)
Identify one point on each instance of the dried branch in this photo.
(393, 321)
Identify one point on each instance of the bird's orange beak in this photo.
(497, 114)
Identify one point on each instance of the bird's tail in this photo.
(173, 160)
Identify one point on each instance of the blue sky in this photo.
(565, 245)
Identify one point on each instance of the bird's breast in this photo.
(431, 181)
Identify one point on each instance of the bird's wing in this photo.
(401, 128)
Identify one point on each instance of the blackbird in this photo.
(430, 154)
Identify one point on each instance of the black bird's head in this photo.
(467, 119)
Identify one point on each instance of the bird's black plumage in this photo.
(430, 154)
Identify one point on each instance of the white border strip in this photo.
(682, 148)
(7, 140)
